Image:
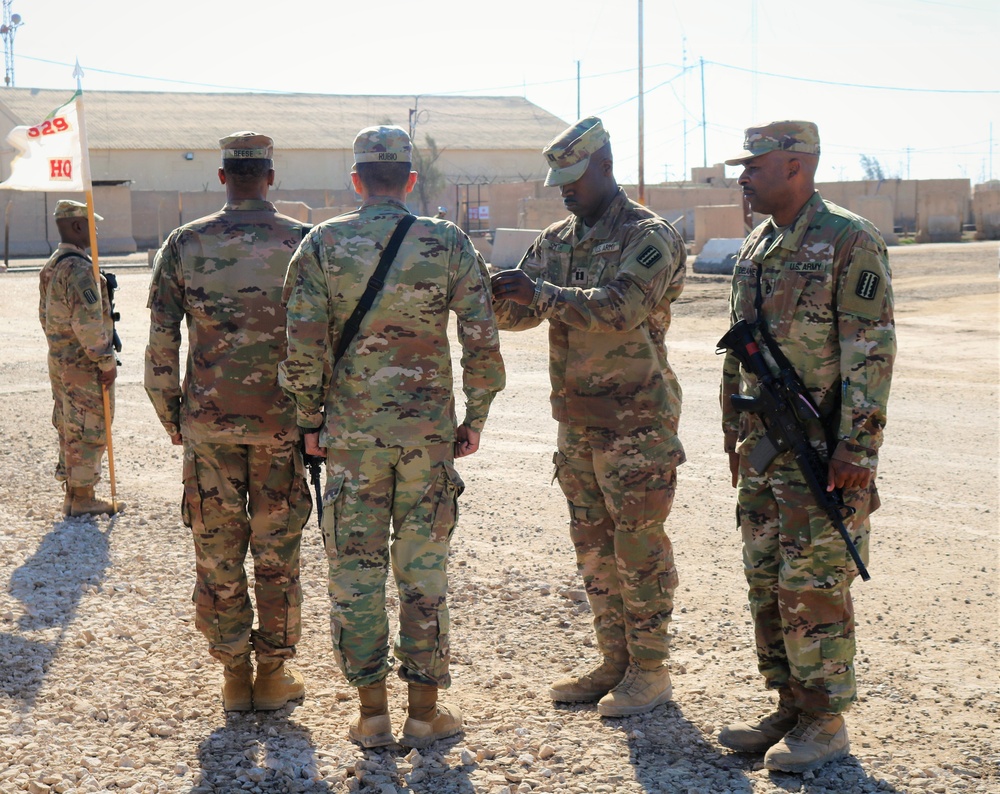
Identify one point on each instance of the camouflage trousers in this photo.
(620, 491)
(417, 490)
(799, 574)
(78, 417)
(238, 497)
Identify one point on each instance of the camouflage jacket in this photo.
(74, 313)
(827, 301)
(606, 293)
(393, 387)
(223, 274)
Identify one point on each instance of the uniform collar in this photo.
(374, 200)
(70, 247)
(792, 237)
(249, 205)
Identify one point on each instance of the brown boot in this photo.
(82, 502)
(373, 728)
(427, 721)
(588, 686)
(759, 735)
(815, 740)
(237, 689)
(645, 686)
(276, 685)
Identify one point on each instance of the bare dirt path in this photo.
(106, 686)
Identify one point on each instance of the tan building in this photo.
(163, 147)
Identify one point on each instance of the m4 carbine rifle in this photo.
(784, 406)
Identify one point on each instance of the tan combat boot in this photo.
(276, 685)
(815, 740)
(427, 720)
(373, 727)
(645, 686)
(82, 502)
(237, 688)
(589, 685)
(756, 737)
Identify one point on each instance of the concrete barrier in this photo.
(718, 257)
(509, 246)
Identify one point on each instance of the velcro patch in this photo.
(867, 285)
(650, 256)
(89, 296)
(578, 277)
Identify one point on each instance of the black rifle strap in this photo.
(784, 364)
(375, 284)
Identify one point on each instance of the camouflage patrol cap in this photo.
(72, 209)
(569, 154)
(383, 145)
(246, 146)
(787, 136)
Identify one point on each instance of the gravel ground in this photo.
(105, 685)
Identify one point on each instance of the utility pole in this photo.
(704, 124)
(684, 98)
(11, 22)
(578, 89)
(642, 178)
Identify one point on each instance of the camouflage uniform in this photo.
(244, 481)
(388, 423)
(76, 318)
(606, 293)
(826, 298)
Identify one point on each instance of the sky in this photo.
(913, 85)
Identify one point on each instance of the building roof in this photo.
(157, 120)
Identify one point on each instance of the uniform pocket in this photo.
(191, 510)
(206, 615)
(648, 479)
(449, 487)
(331, 509)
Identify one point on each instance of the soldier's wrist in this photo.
(537, 293)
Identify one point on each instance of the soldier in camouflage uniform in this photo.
(604, 278)
(386, 423)
(244, 483)
(75, 313)
(816, 278)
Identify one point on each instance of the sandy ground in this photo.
(105, 685)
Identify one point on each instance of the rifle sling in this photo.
(375, 284)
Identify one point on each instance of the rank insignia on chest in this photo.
(578, 277)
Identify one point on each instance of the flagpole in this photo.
(89, 192)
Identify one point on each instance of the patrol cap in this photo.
(786, 136)
(383, 145)
(569, 154)
(246, 145)
(65, 208)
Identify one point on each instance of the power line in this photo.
(858, 85)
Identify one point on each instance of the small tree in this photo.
(872, 168)
(430, 183)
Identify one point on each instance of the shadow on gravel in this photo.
(669, 754)
(259, 752)
(845, 775)
(49, 585)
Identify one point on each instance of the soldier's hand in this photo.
(466, 441)
(513, 285)
(734, 467)
(176, 439)
(311, 442)
(847, 475)
(107, 376)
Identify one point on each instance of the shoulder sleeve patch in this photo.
(649, 256)
(863, 292)
(89, 296)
